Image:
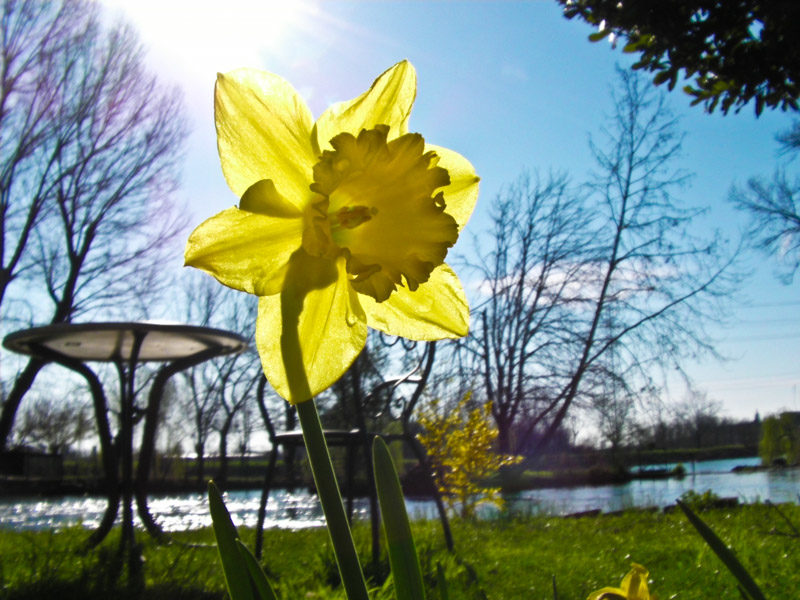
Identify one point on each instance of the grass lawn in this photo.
(500, 559)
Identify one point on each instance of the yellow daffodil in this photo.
(342, 223)
(633, 587)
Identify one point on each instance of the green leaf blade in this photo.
(441, 582)
(260, 582)
(725, 554)
(237, 576)
(406, 572)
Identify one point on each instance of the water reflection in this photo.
(173, 513)
(299, 510)
(775, 486)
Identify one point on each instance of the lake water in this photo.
(297, 510)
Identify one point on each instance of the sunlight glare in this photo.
(195, 37)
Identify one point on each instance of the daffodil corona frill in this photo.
(342, 224)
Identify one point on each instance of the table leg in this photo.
(262, 506)
(147, 449)
(350, 469)
(126, 457)
(374, 521)
(106, 524)
(127, 380)
(108, 451)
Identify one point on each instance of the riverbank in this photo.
(501, 559)
(412, 486)
(552, 471)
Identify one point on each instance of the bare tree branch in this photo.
(599, 285)
(89, 155)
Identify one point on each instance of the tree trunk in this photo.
(11, 404)
(222, 472)
(200, 449)
(503, 436)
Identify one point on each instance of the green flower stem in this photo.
(292, 298)
(331, 500)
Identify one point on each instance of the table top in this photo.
(334, 437)
(113, 341)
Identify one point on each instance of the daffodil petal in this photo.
(263, 198)
(608, 593)
(330, 325)
(635, 583)
(462, 193)
(387, 102)
(437, 309)
(244, 250)
(633, 587)
(263, 132)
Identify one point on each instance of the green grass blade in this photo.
(441, 582)
(725, 554)
(261, 584)
(403, 560)
(237, 576)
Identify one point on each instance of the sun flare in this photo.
(199, 36)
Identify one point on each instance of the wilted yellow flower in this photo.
(633, 587)
(342, 223)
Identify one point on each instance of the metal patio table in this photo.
(126, 345)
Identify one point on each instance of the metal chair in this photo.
(358, 438)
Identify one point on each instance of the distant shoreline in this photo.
(43, 487)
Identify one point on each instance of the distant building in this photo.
(29, 463)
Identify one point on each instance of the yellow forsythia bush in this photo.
(460, 444)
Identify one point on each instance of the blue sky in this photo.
(511, 86)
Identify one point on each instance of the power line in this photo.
(770, 304)
(762, 338)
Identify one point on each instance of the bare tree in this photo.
(200, 413)
(635, 281)
(695, 415)
(657, 284)
(55, 423)
(90, 151)
(246, 425)
(522, 329)
(199, 408)
(789, 140)
(613, 408)
(774, 208)
(33, 35)
(236, 379)
(219, 390)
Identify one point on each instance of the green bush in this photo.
(700, 502)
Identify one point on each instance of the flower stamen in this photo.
(351, 217)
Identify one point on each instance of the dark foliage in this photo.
(735, 51)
